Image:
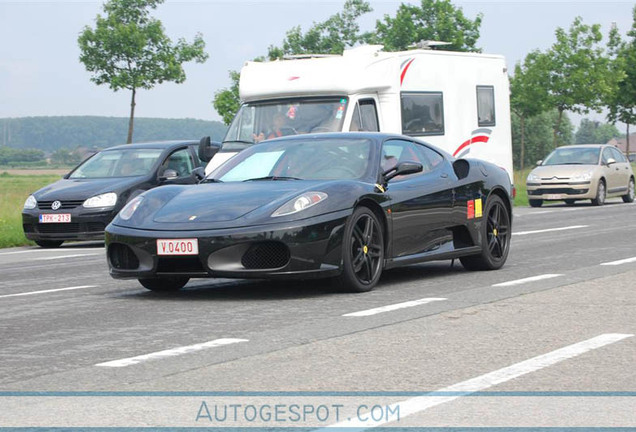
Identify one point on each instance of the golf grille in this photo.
(266, 255)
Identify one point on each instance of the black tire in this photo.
(49, 244)
(629, 197)
(495, 234)
(570, 201)
(362, 252)
(601, 194)
(164, 284)
(535, 203)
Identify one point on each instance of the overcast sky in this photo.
(40, 74)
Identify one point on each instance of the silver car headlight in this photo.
(533, 178)
(30, 203)
(104, 200)
(130, 208)
(582, 177)
(300, 203)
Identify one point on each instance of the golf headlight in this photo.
(300, 203)
(30, 203)
(533, 178)
(103, 200)
(128, 210)
(582, 177)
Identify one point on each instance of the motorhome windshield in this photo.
(260, 121)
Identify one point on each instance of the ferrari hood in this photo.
(223, 202)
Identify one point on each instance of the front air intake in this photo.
(266, 255)
(122, 257)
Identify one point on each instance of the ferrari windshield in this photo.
(118, 163)
(256, 122)
(574, 156)
(316, 159)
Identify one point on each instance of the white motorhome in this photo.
(456, 101)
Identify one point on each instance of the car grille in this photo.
(66, 205)
(65, 228)
(568, 191)
(122, 257)
(266, 255)
(180, 265)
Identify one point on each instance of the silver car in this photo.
(579, 172)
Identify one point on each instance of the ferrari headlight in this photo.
(582, 177)
(104, 200)
(130, 208)
(300, 203)
(30, 203)
(533, 178)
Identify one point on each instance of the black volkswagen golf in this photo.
(79, 206)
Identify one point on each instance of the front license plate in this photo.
(553, 196)
(55, 218)
(177, 247)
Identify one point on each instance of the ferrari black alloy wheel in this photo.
(496, 238)
(363, 251)
(164, 284)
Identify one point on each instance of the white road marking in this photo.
(619, 262)
(549, 230)
(393, 307)
(64, 257)
(170, 352)
(526, 280)
(534, 213)
(421, 403)
(48, 291)
(47, 250)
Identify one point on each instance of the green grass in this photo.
(520, 183)
(14, 189)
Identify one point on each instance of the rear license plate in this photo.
(55, 218)
(553, 196)
(177, 247)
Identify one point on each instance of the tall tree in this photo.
(580, 74)
(437, 20)
(595, 132)
(128, 49)
(539, 133)
(227, 101)
(331, 36)
(621, 102)
(528, 93)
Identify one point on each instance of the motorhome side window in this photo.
(485, 105)
(422, 114)
(365, 117)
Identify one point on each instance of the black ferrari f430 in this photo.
(344, 205)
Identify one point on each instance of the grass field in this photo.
(14, 189)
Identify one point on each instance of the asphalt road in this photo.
(547, 341)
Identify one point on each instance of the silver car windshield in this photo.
(118, 163)
(574, 156)
(256, 122)
(328, 159)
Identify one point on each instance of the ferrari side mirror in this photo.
(403, 168)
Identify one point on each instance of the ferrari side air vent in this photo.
(461, 167)
(266, 255)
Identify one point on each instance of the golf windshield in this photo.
(573, 156)
(316, 159)
(260, 121)
(118, 163)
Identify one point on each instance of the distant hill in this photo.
(52, 133)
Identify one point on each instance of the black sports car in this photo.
(79, 206)
(344, 205)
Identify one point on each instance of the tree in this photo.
(539, 136)
(528, 93)
(595, 132)
(621, 102)
(227, 101)
(332, 36)
(580, 74)
(128, 49)
(435, 20)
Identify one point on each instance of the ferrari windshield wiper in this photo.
(273, 178)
